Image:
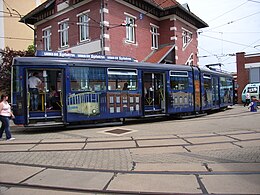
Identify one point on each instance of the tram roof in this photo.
(43, 61)
(56, 61)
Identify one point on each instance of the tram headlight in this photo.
(94, 111)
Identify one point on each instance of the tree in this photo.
(31, 49)
(5, 69)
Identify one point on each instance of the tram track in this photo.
(190, 159)
(77, 190)
(207, 171)
(167, 119)
(25, 183)
(135, 143)
(133, 172)
(218, 117)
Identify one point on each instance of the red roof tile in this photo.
(159, 55)
(163, 3)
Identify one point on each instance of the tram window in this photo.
(207, 82)
(179, 80)
(226, 89)
(119, 79)
(87, 79)
(16, 82)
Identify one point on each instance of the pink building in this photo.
(156, 31)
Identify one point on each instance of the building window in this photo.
(47, 38)
(190, 61)
(83, 26)
(186, 37)
(130, 29)
(155, 35)
(64, 33)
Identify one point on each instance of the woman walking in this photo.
(5, 115)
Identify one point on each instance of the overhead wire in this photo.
(238, 32)
(16, 38)
(247, 47)
(233, 21)
(226, 41)
(228, 11)
(254, 1)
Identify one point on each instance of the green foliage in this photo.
(5, 67)
(31, 49)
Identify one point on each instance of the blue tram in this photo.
(99, 90)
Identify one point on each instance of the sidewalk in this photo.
(218, 153)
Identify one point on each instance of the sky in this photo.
(234, 26)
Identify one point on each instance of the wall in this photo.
(170, 29)
(143, 40)
(182, 53)
(94, 30)
(245, 64)
(18, 35)
(2, 40)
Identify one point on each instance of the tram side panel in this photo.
(107, 98)
(19, 95)
(196, 88)
(181, 92)
(124, 93)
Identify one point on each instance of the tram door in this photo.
(44, 95)
(154, 93)
(215, 93)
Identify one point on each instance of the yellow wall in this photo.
(18, 36)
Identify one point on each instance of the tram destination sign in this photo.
(41, 53)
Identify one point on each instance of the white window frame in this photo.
(179, 73)
(64, 33)
(130, 28)
(186, 37)
(155, 36)
(46, 38)
(121, 71)
(207, 76)
(190, 60)
(83, 25)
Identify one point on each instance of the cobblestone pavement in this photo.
(229, 139)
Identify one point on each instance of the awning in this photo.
(31, 18)
(160, 54)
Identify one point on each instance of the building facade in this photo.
(248, 71)
(14, 34)
(155, 31)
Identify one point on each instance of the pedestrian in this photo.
(253, 105)
(5, 116)
(247, 102)
(34, 83)
(53, 99)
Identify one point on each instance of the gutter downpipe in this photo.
(102, 42)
